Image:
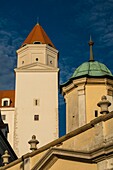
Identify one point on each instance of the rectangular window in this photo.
(3, 117)
(36, 102)
(96, 113)
(36, 117)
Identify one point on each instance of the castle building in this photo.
(88, 143)
(34, 110)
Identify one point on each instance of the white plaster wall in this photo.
(44, 87)
(9, 112)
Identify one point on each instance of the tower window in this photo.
(37, 42)
(36, 102)
(6, 102)
(36, 59)
(96, 113)
(22, 62)
(51, 62)
(36, 117)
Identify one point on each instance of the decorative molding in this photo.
(84, 81)
(81, 90)
(40, 68)
(68, 88)
(35, 46)
(7, 109)
(35, 70)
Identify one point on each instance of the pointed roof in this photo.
(38, 36)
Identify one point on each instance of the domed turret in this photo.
(89, 82)
(91, 68)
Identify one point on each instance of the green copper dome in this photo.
(92, 68)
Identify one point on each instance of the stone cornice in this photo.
(36, 70)
(43, 68)
(85, 81)
(35, 46)
(53, 154)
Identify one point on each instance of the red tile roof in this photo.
(38, 35)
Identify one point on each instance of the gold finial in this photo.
(91, 50)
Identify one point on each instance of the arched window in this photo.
(6, 102)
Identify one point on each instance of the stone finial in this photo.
(104, 104)
(33, 143)
(5, 158)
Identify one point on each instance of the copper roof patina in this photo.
(92, 68)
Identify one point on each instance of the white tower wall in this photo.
(32, 86)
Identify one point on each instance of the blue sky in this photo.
(68, 23)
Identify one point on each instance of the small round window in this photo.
(36, 59)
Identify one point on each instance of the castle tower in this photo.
(36, 98)
(89, 82)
